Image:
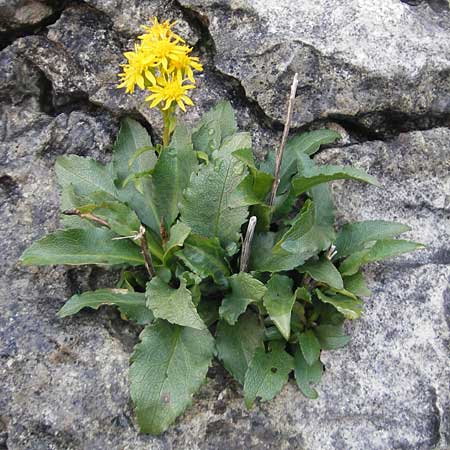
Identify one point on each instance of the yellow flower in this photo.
(183, 64)
(170, 90)
(139, 64)
(163, 50)
(160, 31)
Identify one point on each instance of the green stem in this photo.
(167, 120)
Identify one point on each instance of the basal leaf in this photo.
(172, 173)
(84, 174)
(173, 305)
(131, 304)
(324, 174)
(278, 301)
(266, 375)
(309, 346)
(244, 290)
(353, 236)
(236, 344)
(205, 257)
(331, 337)
(387, 248)
(350, 308)
(214, 127)
(323, 270)
(305, 374)
(82, 246)
(168, 366)
(357, 285)
(210, 206)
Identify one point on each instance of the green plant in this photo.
(218, 255)
(303, 279)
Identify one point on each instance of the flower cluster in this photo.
(162, 64)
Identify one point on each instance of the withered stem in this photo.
(246, 246)
(145, 253)
(280, 151)
(88, 216)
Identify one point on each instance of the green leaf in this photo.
(131, 304)
(173, 305)
(323, 270)
(244, 290)
(208, 310)
(210, 206)
(234, 145)
(266, 375)
(357, 285)
(168, 366)
(131, 139)
(172, 173)
(278, 301)
(310, 346)
(214, 127)
(331, 337)
(84, 174)
(305, 374)
(237, 344)
(350, 308)
(324, 174)
(353, 236)
(264, 258)
(82, 246)
(205, 257)
(381, 250)
(177, 235)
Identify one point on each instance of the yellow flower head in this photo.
(160, 31)
(170, 91)
(162, 64)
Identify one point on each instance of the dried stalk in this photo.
(88, 216)
(246, 246)
(145, 253)
(279, 155)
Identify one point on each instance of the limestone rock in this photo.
(362, 60)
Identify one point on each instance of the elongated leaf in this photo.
(350, 308)
(237, 344)
(305, 374)
(81, 246)
(381, 250)
(210, 206)
(84, 174)
(264, 258)
(310, 346)
(178, 234)
(131, 138)
(214, 127)
(353, 236)
(131, 304)
(235, 143)
(278, 301)
(244, 290)
(168, 366)
(323, 270)
(205, 257)
(324, 174)
(173, 305)
(172, 173)
(266, 375)
(357, 285)
(331, 337)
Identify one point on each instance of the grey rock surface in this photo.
(360, 60)
(64, 382)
